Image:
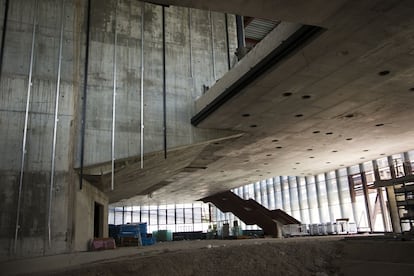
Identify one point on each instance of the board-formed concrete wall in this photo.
(185, 78)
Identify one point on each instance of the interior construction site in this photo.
(173, 137)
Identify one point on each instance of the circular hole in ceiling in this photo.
(378, 125)
(316, 131)
(311, 157)
(298, 115)
(269, 154)
(265, 163)
(253, 125)
(382, 154)
(334, 151)
(294, 168)
(222, 171)
(365, 150)
(349, 115)
(268, 172)
(329, 133)
(341, 165)
(246, 115)
(362, 158)
(328, 162)
(309, 149)
(279, 147)
(216, 143)
(384, 73)
(257, 170)
(246, 160)
(287, 94)
(275, 140)
(348, 139)
(412, 89)
(305, 97)
(297, 163)
(260, 175)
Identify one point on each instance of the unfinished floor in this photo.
(358, 255)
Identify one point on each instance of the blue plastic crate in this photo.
(129, 230)
(147, 241)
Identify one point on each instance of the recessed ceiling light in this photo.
(257, 170)
(299, 115)
(253, 125)
(328, 162)
(329, 133)
(334, 151)
(265, 163)
(309, 149)
(348, 139)
(311, 157)
(341, 165)
(275, 140)
(382, 154)
(362, 158)
(384, 73)
(378, 125)
(269, 154)
(305, 97)
(297, 163)
(279, 147)
(365, 150)
(294, 168)
(287, 94)
(246, 115)
(316, 131)
(349, 115)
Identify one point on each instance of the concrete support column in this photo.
(283, 193)
(340, 196)
(381, 198)
(311, 218)
(366, 195)
(318, 198)
(275, 188)
(302, 212)
(352, 194)
(290, 196)
(329, 197)
(392, 202)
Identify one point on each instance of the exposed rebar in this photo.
(26, 119)
(142, 85)
(57, 96)
(3, 35)
(114, 103)
(85, 94)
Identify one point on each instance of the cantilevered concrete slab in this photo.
(342, 98)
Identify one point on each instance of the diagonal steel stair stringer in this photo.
(251, 212)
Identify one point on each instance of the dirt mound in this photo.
(283, 258)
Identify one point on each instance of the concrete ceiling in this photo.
(341, 99)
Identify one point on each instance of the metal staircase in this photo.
(251, 212)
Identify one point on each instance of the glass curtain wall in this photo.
(348, 192)
(174, 217)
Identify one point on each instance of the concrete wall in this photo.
(196, 56)
(32, 235)
(70, 226)
(85, 211)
